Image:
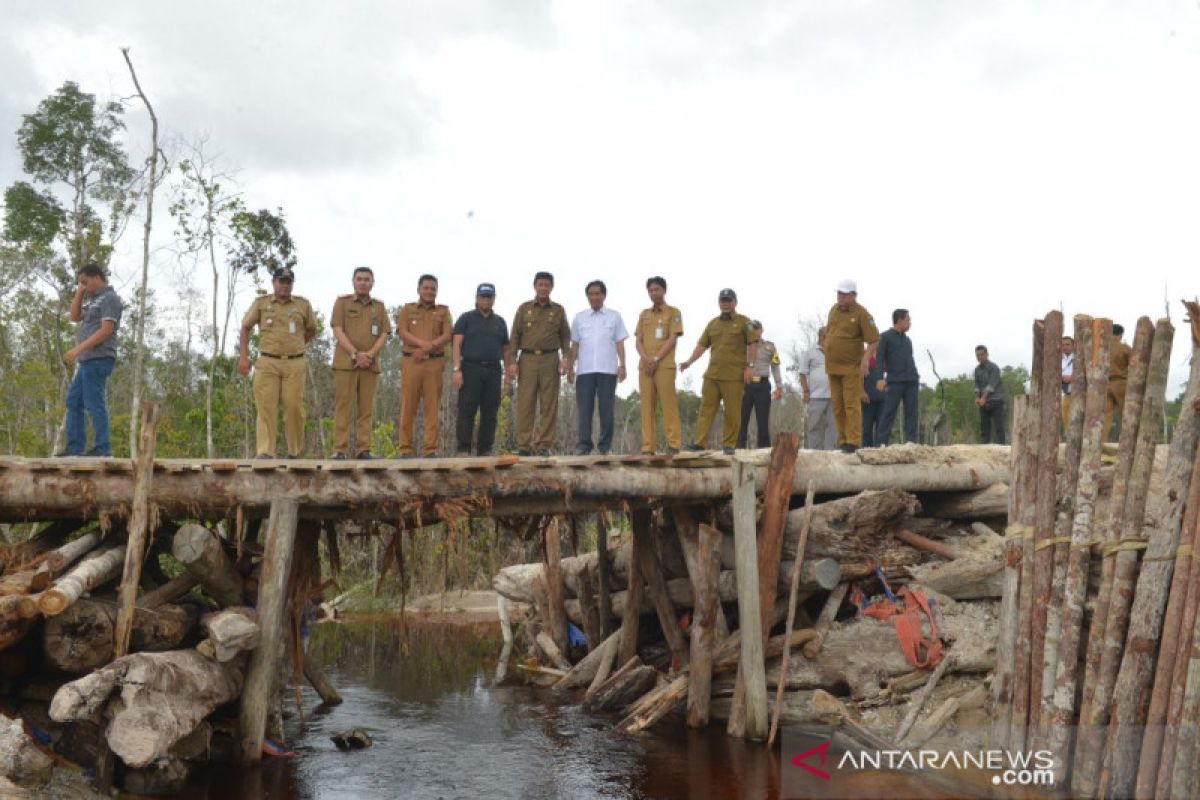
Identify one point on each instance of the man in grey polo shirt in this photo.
(822, 433)
(97, 309)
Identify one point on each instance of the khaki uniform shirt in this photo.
(1118, 365)
(362, 321)
(655, 327)
(728, 339)
(847, 332)
(538, 327)
(424, 322)
(282, 324)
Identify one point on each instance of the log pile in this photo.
(678, 569)
(1100, 652)
(134, 664)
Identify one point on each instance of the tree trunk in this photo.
(171, 590)
(143, 519)
(98, 568)
(624, 686)
(320, 682)
(60, 558)
(654, 706)
(1009, 585)
(230, 631)
(162, 698)
(81, 638)
(706, 572)
(656, 588)
(557, 620)
(986, 503)
(751, 722)
(202, 555)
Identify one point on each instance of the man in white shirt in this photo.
(822, 431)
(597, 365)
(1068, 372)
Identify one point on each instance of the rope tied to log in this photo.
(1018, 531)
(1132, 543)
(1183, 551)
(1042, 545)
(1087, 544)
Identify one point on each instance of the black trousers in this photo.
(756, 398)
(991, 422)
(480, 393)
(900, 391)
(871, 412)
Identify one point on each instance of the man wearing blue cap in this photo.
(480, 341)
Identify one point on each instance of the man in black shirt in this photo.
(989, 396)
(480, 340)
(900, 378)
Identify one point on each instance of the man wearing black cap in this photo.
(480, 338)
(286, 324)
(734, 344)
(758, 395)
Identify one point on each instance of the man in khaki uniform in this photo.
(1118, 374)
(286, 324)
(658, 330)
(540, 332)
(734, 343)
(850, 326)
(361, 326)
(424, 328)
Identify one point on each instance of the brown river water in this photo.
(442, 729)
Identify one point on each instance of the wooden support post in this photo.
(752, 666)
(826, 618)
(633, 605)
(588, 609)
(687, 532)
(142, 520)
(1006, 656)
(320, 681)
(261, 674)
(704, 621)
(656, 587)
(793, 597)
(554, 586)
(604, 574)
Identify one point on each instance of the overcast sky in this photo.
(978, 163)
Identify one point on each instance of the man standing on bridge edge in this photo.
(757, 396)
(541, 340)
(360, 327)
(286, 324)
(734, 343)
(94, 355)
(900, 379)
(849, 329)
(598, 359)
(480, 340)
(424, 328)
(658, 330)
(989, 396)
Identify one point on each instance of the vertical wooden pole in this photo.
(687, 531)
(259, 691)
(141, 522)
(554, 586)
(793, 596)
(752, 666)
(603, 575)
(627, 648)
(704, 585)
(1006, 649)
(656, 587)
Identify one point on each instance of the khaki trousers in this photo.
(537, 388)
(715, 393)
(276, 378)
(420, 384)
(353, 387)
(846, 393)
(1114, 405)
(659, 388)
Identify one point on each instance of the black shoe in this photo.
(524, 452)
(581, 451)
(292, 455)
(541, 451)
(606, 452)
(94, 453)
(338, 457)
(365, 455)
(727, 451)
(264, 455)
(672, 451)
(462, 454)
(848, 448)
(693, 448)
(65, 454)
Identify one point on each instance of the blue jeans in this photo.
(87, 394)
(592, 389)
(900, 391)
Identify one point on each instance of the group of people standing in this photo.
(1118, 375)
(854, 374)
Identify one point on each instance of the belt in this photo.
(410, 355)
(539, 352)
(477, 363)
(284, 358)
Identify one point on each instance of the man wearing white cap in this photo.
(851, 341)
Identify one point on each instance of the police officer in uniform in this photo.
(849, 328)
(658, 330)
(424, 328)
(480, 339)
(734, 343)
(286, 324)
(541, 342)
(360, 327)
(758, 395)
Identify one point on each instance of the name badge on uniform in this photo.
(270, 320)
(291, 326)
(374, 328)
(659, 333)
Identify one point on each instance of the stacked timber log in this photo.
(125, 667)
(1098, 641)
(707, 610)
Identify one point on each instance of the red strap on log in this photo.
(922, 651)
